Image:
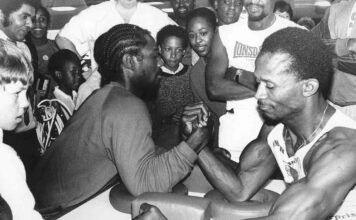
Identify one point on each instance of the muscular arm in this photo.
(256, 166)
(331, 175)
(219, 88)
(65, 43)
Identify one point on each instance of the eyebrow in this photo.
(27, 14)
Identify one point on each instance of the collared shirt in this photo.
(19, 44)
(66, 99)
(166, 70)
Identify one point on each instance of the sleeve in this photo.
(13, 186)
(79, 28)
(133, 151)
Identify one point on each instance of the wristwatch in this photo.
(238, 74)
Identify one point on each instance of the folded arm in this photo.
(218, 87)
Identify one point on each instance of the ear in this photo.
(128, 61)
(159, 49)
(58, 74)
(310, 87)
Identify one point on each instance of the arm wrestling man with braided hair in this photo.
(110, 134)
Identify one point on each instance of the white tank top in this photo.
(292, 167)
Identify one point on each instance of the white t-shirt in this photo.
(243, 44)
(292, 167)
(13, 186)
(84, 28)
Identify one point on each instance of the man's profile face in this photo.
(258, 9)
(20, 23)
(182, 7)
(228, 11)
(279, 92)
(14, 103)
(146, 69)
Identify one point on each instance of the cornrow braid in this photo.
(111, 46)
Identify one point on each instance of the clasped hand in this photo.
(196, 126)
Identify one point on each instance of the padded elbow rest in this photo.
(175, 207)
(187, 207)
(259, 206)
(121, 199)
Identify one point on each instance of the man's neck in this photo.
(265, 23)
(307, 125)
(181, 22)
(126, 11)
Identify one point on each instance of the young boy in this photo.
(53, 113)
(64, 67)
(16, 75)
(174, 92)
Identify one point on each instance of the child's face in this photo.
(71, 75)
(200, 34)
(14, 103)
(40, 25)
(172, 52)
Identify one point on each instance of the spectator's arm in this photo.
(218, 87)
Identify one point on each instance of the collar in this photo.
(166, 70)
(5, 37)
(59, 93)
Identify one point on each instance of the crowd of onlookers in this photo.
(95, 111)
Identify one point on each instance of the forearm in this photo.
(222, 177)
(224, 90)
(160, 172)
(243, 77)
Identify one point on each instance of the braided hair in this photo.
(111, 46)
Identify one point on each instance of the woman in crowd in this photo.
(43, 50)
(201, 26)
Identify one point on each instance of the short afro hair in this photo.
(310, 58)
(204, 13)
(173, 31)
(58, 60)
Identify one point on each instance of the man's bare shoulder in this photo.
(339, 142)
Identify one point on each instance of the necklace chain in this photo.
(315, 130)
(321, 121)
